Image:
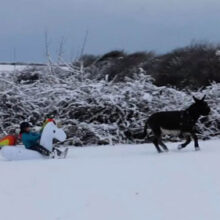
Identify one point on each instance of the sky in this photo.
(130, 25)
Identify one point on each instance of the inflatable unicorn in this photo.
(49, 133)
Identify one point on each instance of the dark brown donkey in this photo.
(177, 123)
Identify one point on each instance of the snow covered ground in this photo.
(9, 68)
(123, 182)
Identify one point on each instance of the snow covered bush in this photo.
(94, 111)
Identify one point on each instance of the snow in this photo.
(147, 97)
(122, 182)
(9, 67)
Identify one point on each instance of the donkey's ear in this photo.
(203, 98)
(195, 99)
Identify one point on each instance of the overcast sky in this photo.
(132, 25)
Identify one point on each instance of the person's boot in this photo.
(58, 152)
(61, 154)
(53, 155)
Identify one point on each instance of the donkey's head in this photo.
(200, 106)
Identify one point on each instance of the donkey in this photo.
(177, 123)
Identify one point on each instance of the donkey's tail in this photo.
(145, 130)
(138, 135)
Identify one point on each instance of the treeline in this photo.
(191, 67)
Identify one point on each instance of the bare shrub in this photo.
(193, 67)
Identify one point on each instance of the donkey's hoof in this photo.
(197, 148)
(179, 147)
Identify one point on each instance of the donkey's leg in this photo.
(157, 136)
(188, 140)
(162, 144)
(156, 144)
(195, 138)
